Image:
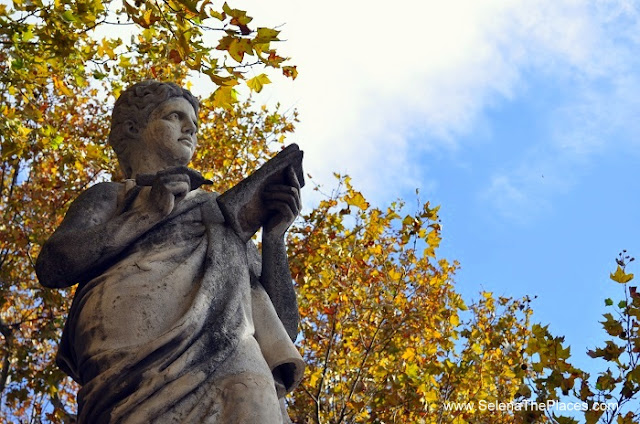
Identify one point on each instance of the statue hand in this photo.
(283, 200)
(169, 187)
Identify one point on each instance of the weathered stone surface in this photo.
(177, 318)
(243, 207)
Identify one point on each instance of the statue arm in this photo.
(283, 200)
(91, 235)
(277, 282)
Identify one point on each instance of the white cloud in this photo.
(506, 194)
(382, 83)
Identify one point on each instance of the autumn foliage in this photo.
(386, 336)
(382, 320)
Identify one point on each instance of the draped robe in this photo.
(154, 338)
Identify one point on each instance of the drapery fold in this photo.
(152, 338)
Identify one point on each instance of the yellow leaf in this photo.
(508, 373)
(433, 239)
(620, 276)
(476, 349)
(290, 71)
(256, 83)
(394, 275)
(412, 371)
(149, 19)
(125, 61)
(357, 199)
(314, 379)
(61, 86)
(224, 97)
(454, 320)
(409, 354)
(431, 396)
(93, 152)
(228, 81)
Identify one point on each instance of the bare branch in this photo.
(359, 373)
(325, 368)
(68, 418)
(7, 332)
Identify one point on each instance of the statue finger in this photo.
(293, 178)
(289, 198)
(287, 189)
(178, 188)
(174, 178)
(283, 208)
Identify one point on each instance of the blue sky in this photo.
(522, 119)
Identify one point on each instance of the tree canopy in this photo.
(386, 336)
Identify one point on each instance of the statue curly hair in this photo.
(132, 110)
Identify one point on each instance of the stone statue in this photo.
(177, 318)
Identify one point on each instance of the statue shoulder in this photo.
(99, 199)
(104, 190)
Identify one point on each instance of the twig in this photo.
(324, 368)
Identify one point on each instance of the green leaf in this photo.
(611, 325)
(56, 142)
(69, 17)
(27, 35)
(605, 381)
(236, 13)
(17, 64)
(609, 353)
(608, 302)
(238, 47)
(214, 13)
(634, 375)
(190, 5)
(266, 35)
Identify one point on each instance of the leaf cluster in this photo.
(385, 335)
(553, 377)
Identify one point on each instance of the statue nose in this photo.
(189, 129)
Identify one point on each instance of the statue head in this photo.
(132, 111)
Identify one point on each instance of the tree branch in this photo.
(324, 368)
(67, 417)
(7, 332)
(359, 373)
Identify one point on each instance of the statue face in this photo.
(169, 139)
